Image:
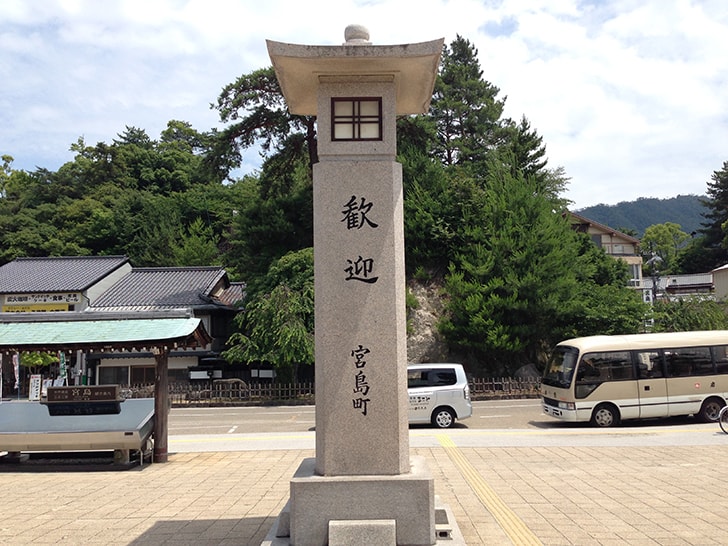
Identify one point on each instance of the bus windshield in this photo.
(560, 368)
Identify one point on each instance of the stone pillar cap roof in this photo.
(301, 68)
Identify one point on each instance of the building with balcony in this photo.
(614, 243)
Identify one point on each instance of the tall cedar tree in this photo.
(512, 278)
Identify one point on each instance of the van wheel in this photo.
(605, 415)
(710, 410)
(443, 418)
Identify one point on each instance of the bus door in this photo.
(651, 384)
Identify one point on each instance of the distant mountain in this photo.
(638, 215)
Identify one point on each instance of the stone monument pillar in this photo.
(362, 472)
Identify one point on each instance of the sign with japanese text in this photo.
(86, 393)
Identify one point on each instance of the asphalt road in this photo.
(494, 423)
(490, 414)
(504, 414)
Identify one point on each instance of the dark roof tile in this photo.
(154, 287)
(58, 274)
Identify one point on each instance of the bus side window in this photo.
(720, 355)
(684, 362)
(649, 365)
(607, 366)
(588, 372)
(676, 366)
(702, 361)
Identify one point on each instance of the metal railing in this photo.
(236, 392)
(504, 387)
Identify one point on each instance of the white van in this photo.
(438, 394)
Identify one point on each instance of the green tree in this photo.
(512, 277)
(276, 215)
(465, 107)
(666, 241)
(712, 246)
(269, 225)
(160, 167)
(37, 362)
(278, 323)
(12, 183)
(255, 109)
(197, 246)
(148, 226)
(431, 217)
(694, 258)
(529, 153)
(5, 173)
(602, 303)
(688, 314)
(135, 196)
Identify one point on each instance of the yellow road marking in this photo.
(512, 525)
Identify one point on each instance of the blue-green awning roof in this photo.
(101, 334)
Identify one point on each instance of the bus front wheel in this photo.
(710, 410)
(605, 415)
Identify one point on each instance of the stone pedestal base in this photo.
(401, 505)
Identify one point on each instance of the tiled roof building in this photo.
(108, 286)
(150, 288)
(59, 283)
(60, 274)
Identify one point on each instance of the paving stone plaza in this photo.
(551, 494)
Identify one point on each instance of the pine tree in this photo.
(714, 253)
(465, 107)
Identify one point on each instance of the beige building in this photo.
(615, 243)
(720, 282)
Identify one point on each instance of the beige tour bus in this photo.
(608, 379)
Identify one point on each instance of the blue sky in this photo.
(630, 96)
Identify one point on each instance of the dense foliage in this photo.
(151, 200)
(277, 326)
(690, 313)
(484, 219)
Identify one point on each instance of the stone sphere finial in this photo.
(356, 34)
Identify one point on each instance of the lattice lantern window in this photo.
(356, 118)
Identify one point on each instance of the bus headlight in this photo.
(567, 406)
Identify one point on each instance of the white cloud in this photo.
(629, 95)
